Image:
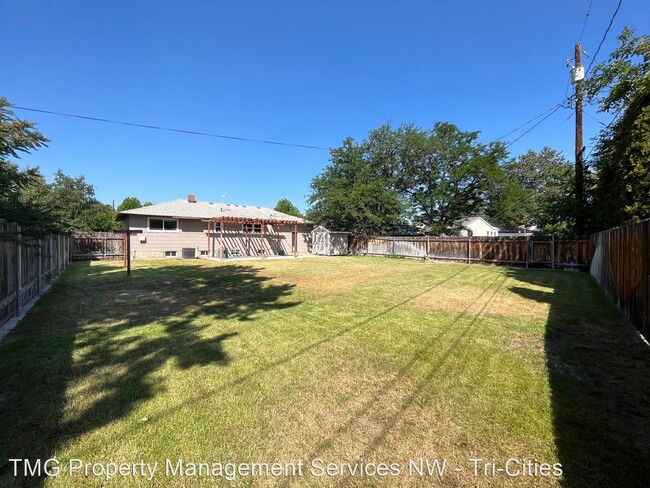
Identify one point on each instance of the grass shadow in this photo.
(600, 387)
(110, 334)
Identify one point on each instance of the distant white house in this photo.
(479, 227)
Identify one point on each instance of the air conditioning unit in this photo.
(189, 253)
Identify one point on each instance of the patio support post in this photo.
(221, 239)
(128, 250)
(209, 225)
(279, 239)
(295, 244)
(248, 247)
(262, 238)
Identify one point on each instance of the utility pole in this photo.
(578, 74)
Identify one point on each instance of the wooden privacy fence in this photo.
(26, 267)
(97, 245)
(516, 251)
(619, 262)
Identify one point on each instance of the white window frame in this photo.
(171, 256)
(149, 229)
(252, 228)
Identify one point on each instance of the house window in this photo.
(163, 225)
(204, 253)
(170, 254)
(252, 228)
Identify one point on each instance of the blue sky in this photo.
(299, 72)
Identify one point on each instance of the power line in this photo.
(168, 129)
(560, 126)
(555, 109)
(586, 18)
(531, 120)
(599, 121)
(611, 21)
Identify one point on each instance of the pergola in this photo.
(246, 220)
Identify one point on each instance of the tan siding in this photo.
(193, 233)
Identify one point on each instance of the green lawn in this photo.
(340, 359)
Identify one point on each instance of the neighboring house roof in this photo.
(185, 209)
(472, 220)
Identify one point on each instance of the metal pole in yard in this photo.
(469, 249)
(553, 251)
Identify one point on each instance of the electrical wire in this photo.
(531, 120)
(168, 129)
(557, 107)
(560, 126)
(611, 21)
(586, 18)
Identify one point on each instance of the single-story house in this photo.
(189, 228)
(478, 226)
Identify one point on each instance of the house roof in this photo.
(470, 220)
(184, 209)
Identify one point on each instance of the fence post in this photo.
(553, 251)
(18, 271)
(527, 245)
(39, 271)
(49, 257)
(469, 249)
(427, 245)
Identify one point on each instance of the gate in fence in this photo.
(97, 245)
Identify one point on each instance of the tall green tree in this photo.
(353, 194)
(445, 174)
(284, 205)
(19, 137)
(72, 201)
(429, 177)
(537, 190)
(621, 87)
(129, 203)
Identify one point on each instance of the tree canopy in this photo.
(284, 205)
(19, 137)
(431, 178)
(129, 203)
(621, 87)
(537, 190)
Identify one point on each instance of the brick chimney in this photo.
(191, 198)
